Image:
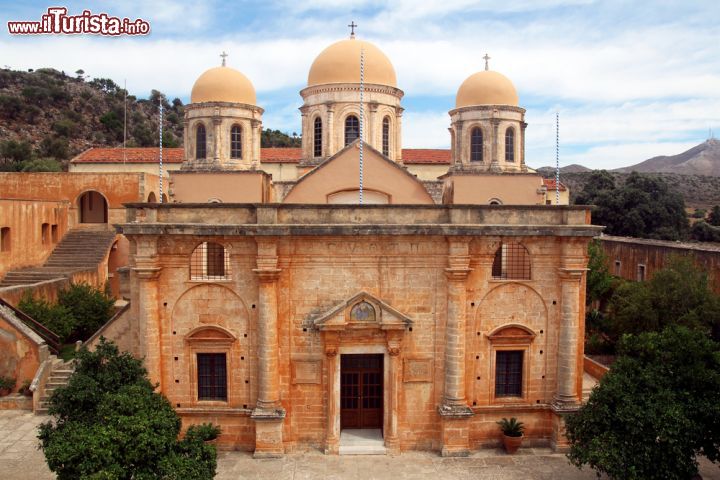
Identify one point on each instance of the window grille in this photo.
(509, 145)
(386, 136)
(508, 373)
(200, 143)
(236, 142)
(317, 138)
(210, 261)
(212, 376)
(352, 129)
(476, 145)
(512, 262)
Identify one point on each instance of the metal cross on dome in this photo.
(486, 58)
(352, 28)
(223, 55)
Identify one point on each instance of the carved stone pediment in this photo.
(361, 312)
(511, 334)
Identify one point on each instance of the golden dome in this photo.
(223, 84)
(340, 63)
(486, 88)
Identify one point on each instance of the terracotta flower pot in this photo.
(512, 443)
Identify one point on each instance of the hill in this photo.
(47, 117)
(574, 168)
(698, 191)
(703, 159)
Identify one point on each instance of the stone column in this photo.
(397, 140)
(458, 143)
(392, 440)
(495, 161)
(308, 133)
(257, 127)
(329, 130)
(523, 167)
(454, 410)
(567, 398)
(269, 413)
(373, 134)
(217, 121)
(332, 359)
(147, 272)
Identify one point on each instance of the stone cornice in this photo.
(246, 106)
(252, 230)
(352, 87)
(475, 108)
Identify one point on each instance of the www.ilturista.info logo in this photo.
(57, 21)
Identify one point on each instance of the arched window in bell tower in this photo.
(236, 141)
(317, 138)
(200, 142)
(352, 129)
(510, 144)
(476, 145)
(386, 136)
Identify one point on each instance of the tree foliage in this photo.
(599, 281)
(110, 424)
(704, 232)
(655, 411)
(276, 138)
(644, 206)
(714, 217)
(678, 294)
(91, 308)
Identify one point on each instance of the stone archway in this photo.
(92, 207)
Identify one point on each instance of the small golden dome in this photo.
(340, 63)
(223, 84)
(486, 88)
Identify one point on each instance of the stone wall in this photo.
(625, 255)
(20, 348)
(28, 243)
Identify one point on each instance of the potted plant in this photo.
(512, 434)
(6, 385)
(25, 389)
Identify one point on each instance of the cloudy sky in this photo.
(631, 79)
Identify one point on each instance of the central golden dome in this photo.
(340, 63)
(486, 88)
(223, 84)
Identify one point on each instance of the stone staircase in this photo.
(80, 249)
(59, 377)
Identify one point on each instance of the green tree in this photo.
(42, 165)
(599, 281)
(55, 317)
(13, 153)
(54, 147)
(714, 217)
(90, 307)
(110, 424)
(644, 206)
(678, 294)
(276, 138)
(703, 232)
(655, 411)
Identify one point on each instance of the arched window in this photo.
(317, 138)
(510, 145)
(352, 129)
(386, 136)
(210, 261)
(476, 145)
(512, 262)
(236, 141)
(200, 144)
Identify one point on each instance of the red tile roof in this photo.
(267, 155)
(426, 155)
(281, 155)
(550, 184)
(129, 155)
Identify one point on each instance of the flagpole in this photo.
(161, 152)
(362, 117)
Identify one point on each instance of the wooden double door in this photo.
(361, 391)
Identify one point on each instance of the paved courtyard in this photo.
(21, 460)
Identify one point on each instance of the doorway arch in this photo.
(93, 207)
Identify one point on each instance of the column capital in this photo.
(572, 274)
(147, 272)
(457, 273)
(267, 274)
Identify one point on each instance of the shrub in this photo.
(42, 165)
(90, 307)
(111, 424)
(655, 411)
(511, 428)
(7, 383)
(54, 147)
(56, 318)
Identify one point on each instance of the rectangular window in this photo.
(641, 273)
(212, 376)
(45, 233)
(508, 373)
(617, 267)
(54, 233)
(5, 239)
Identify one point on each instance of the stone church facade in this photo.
(266, 299)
